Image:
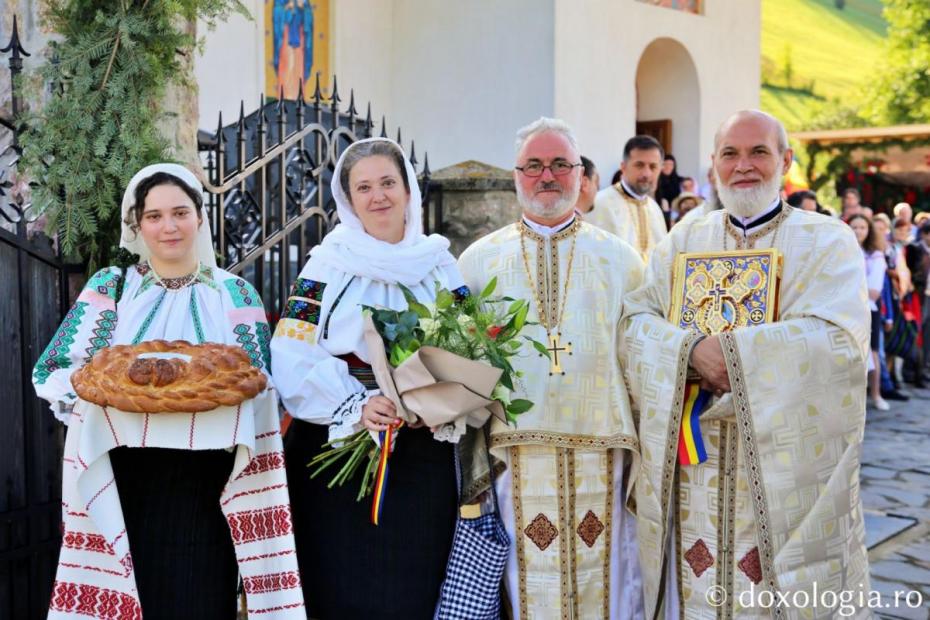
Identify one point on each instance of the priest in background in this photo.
(561, 495)
(775, 508)
(626, 208)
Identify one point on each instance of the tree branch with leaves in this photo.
(98, 125)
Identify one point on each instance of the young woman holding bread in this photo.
(164, 511)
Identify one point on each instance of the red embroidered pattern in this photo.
(94, 601)
(261, 584)
(106, 414)
(255, 491)
(274, 609)
(541, 531)
(252, 525)
(145, 429)
(190, 440)
(699, 557)
(93, 568)
(263, 463)
(265, 556)
(99, 493)
(590, 528)
(751, 566)
(86, 542)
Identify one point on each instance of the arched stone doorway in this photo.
(668, 102)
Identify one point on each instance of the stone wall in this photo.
(477, 199)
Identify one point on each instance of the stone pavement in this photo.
(896, 498)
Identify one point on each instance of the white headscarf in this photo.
(133, 242)
(348, 248)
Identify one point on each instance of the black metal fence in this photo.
(268, 193)
(33, 299)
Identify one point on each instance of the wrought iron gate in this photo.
(268, 192)
(33, 298)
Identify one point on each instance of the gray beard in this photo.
(562, 206)
(745, 203)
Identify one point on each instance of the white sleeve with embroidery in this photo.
(87, 328)
(314, 385)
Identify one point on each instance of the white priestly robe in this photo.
(573, 552)
(776, 506)
(639, 222)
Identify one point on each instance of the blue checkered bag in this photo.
(472, 587)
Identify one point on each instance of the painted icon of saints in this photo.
(293, 44)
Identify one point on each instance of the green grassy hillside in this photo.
(832, 53)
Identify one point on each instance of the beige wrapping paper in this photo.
(438, 386)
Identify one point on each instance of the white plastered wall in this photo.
(229, 69)
(599, 44)
(458, 77)
(461, 77)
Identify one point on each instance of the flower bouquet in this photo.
(446, 363)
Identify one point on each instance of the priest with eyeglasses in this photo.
(562, 491)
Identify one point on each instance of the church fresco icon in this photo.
(296, 47)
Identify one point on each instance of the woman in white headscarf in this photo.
(350, 568)
(171, 471)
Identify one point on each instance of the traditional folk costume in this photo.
(562, 495)
(636, 219)
(775, 506)
(351, 568)
(150, 500)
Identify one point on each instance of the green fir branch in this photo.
(98, 126)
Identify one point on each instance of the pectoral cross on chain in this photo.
(555, 366)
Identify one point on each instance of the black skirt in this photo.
(351, 569)
(182, 551)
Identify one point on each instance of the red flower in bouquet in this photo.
(493, 331)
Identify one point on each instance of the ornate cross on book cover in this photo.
(714, 293)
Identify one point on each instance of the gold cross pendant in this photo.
(554, 348)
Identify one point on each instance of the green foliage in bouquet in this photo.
(477, 327)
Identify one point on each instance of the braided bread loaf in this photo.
(217, 375)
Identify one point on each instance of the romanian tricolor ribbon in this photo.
(690, 444)
(386, 439)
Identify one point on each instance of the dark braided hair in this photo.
(124, 259)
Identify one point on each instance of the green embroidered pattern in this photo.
(55, 355)
(243, 294)
(195, 315)
(246, 340)
(148, 319)
(103, 333)
(148, 279)
(104, 282)
(263, 332)
(206, 277)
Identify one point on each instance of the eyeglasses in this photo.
(558, 168)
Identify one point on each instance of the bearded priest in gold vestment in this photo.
(561, 495)
(626, 208)
(775, 508)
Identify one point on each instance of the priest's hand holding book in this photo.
(707, 359)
